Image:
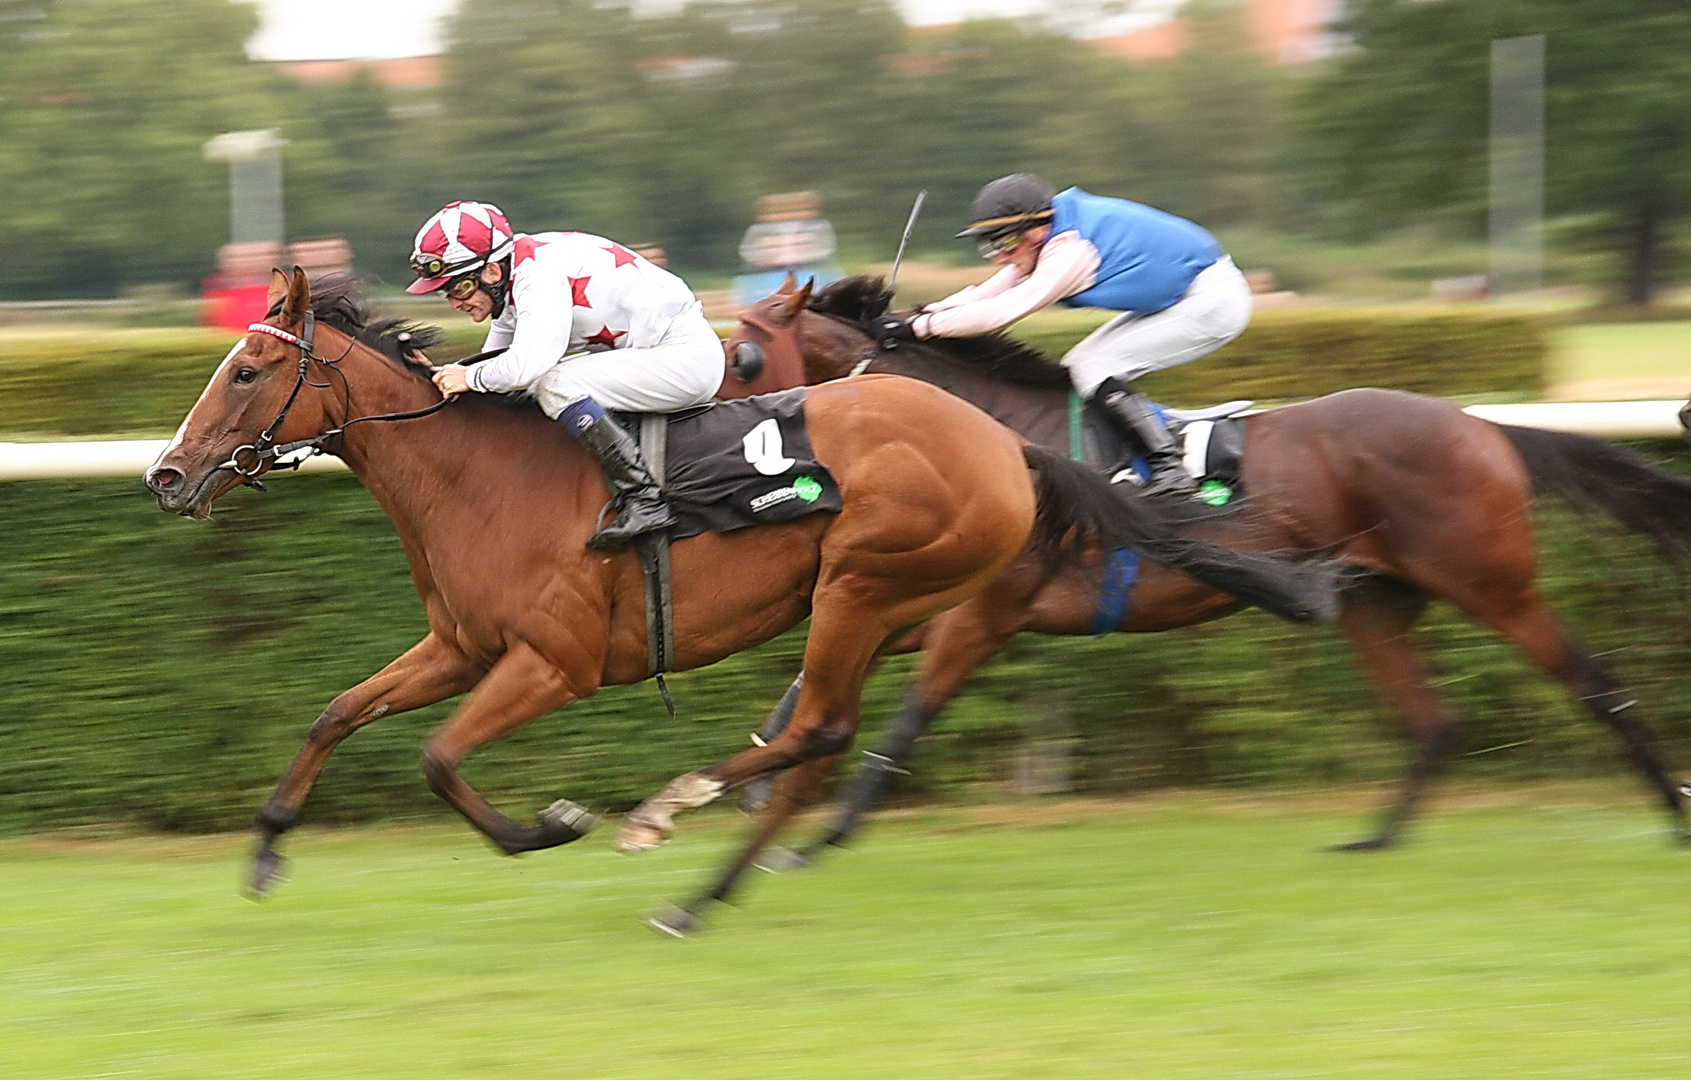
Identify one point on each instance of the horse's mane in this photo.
(336, 302)
(859, 299)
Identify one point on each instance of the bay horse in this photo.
(493, 505)
(1428, 501)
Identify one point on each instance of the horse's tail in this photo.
(1590, 474)
(1078, 503)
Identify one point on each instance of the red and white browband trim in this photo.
(266, 328)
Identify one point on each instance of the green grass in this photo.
(1527, 932)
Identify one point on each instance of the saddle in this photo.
(1213, 438)
(724, 465)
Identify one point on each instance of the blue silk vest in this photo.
(1147, 258)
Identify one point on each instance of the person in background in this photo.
(790, 236)
(1179, 295)
(587, 325)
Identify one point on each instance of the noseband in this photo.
(264, 448)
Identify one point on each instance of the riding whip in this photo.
(909, 226)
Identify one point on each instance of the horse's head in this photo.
(765, 353)
(259, 398)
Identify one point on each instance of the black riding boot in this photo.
(640, 505)
(1136, 417)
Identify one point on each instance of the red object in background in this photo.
(233, 306)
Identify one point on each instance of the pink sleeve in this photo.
(1067, 265)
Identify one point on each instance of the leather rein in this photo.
(265, 449)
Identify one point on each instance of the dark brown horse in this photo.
(1430, 502)
(493, 505)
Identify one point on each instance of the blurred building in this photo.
(1288, 31)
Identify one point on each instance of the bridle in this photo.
(264, 448)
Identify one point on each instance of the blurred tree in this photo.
(351, 172)
(104, 106)
(1400, 123)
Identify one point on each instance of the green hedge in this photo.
(141, 382)
(1295, 354)
(163, 671)
(121, 382)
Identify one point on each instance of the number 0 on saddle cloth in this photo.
(732, 464)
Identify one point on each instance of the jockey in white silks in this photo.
(587, 326)
(1180, 296)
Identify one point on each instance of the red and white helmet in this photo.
(459, 238)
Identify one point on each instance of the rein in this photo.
(264, 448)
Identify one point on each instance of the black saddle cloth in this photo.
(733, 464)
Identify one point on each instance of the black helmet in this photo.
(1009, 204)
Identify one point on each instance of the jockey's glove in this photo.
(890, 329)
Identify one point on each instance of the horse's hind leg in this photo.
(1379, 617)
(794, 790)
(522, 686)
(957, 643)
(1546, 642)
(428, 672)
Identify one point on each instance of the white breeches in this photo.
(1214, 311)
(682, 370)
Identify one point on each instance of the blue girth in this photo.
(1115, 590)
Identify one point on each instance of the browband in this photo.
(276, 332)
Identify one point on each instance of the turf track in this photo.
(1528, 932)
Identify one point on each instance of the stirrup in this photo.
(621, 532)
(1173, 480)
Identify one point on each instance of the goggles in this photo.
(1002, 244)
(462, 288)
(428, 266)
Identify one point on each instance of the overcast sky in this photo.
(294, 29)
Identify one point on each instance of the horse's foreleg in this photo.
(794, 790)
(522, 686)
(1378, 617)
(429, 671)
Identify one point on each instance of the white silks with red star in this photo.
(575, 292)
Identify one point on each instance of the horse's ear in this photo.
(299, 295)
(795, 302)
(278, 287)
(788, 284)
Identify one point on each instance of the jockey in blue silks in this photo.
(1180, 296)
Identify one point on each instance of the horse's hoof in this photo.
(639, 836)
(675, 921)
(1376, 844)
(778, 860)
(267, 870)
(755, 795)
(565, 821)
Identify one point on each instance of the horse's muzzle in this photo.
(178, 494)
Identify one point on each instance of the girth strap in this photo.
(654, 561)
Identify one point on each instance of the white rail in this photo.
(78, 460)
(1604, 419)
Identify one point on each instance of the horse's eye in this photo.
(245, 375)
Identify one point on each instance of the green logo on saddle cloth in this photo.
(805, 488)
(1214, 492)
